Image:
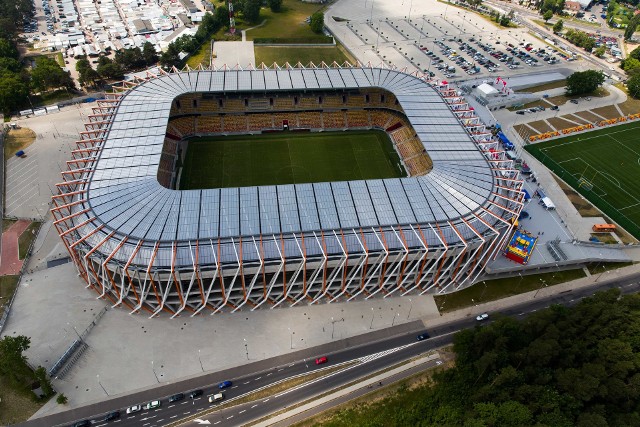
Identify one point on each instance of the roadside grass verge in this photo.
(304, 55)
(25, 239)
(16, 405)
(8, 286)
(491, 290)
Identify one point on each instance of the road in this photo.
(389, 351)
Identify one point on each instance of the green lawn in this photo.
(603, 166)
(287, 158)
(304, 55)
(287, 23)
(491, 290)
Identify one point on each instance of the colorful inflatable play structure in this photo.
(520, 247)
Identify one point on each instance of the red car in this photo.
(321, 360)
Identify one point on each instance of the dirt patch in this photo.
(18, 139)
(588, 116)
(546, 86)
(560, 124)
(575, 119)
(609, 112)
(524, 131)
(540, 125)
(582, 205)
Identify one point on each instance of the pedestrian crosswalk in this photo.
(370, 357)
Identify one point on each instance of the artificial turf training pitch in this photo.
(602, 165)
(288, 158)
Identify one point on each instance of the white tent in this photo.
(486, 90)
(547, 203)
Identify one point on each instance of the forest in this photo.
(562, 366)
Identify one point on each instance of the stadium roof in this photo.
(125, 196)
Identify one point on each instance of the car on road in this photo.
(574, 101)
(216, 397)
(83, 423)
(224, 384)
(423, 336)
(196, 393)
(321, 360)
(115, 415)
(153, 404)
(133, 409)
(176, 397)
(482, 317)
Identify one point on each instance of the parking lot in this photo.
(441, 40)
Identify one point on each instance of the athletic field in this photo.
(288, 158)
(603, 166)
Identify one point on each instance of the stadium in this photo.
(141, 241)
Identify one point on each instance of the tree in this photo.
(13, 91)
(108, 69)
(13, 363)
(548, 14)
(170, 57)
(317, 22)
(8, 49)
(130, 59)
(631, 27)
(631, 65)
(251, 10)
(62, 399)
(149, 53)
(47, 74)
(88, 77)
(599, 52)
(222, 16)
(557, 27)
(274, 5)
(633, 85)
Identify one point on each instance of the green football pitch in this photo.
(603, 166)
(288, 158)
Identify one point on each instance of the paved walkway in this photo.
(10, 262)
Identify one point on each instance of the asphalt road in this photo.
(390, 351)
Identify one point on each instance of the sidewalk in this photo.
(10, 262)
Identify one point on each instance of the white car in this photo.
(134, 408)
(152, 405)
(216, 397)
(481, 317)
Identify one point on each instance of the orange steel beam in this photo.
(197, 273)
(404, 261)
(109, 258)
(366, 262)
(424, 261)
(173, 274)
(126, 272)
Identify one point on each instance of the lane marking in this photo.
(173, 416)
(253, 406)
(269, 373)
(265, 401)
(230, 417)
(244, 410)
(258, 378)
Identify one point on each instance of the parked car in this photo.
(176, 397)
(153, 404)
(133, 409)
(216, 397)
(321, 360)
(115, 415)
(574, 101)
(196, 393)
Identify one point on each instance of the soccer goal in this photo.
(583, 182)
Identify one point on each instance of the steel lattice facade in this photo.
(148, 247)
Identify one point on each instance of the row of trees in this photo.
(580, 39)
(125, 60)
(631, 65)
(560, 367)
(555, 6)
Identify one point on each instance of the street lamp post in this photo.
(154, 372)
(542, 283)
(290, 338)
(410, 307)
(246, 348)
(372, 314)
(101, 386)
(201, 367)
(333, 327)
